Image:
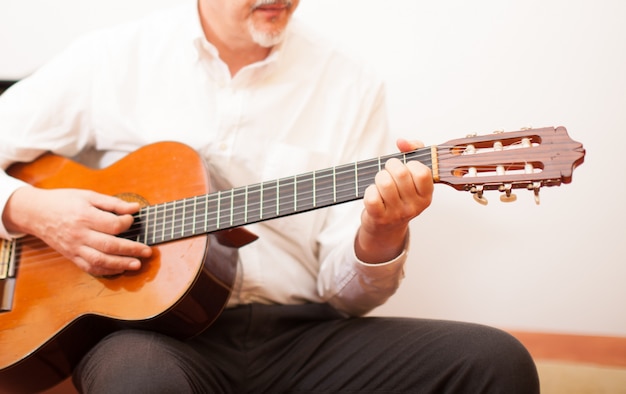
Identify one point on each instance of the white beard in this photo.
(265, 39)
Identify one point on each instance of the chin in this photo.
(267, 38)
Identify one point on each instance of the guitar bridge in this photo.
(7, 274)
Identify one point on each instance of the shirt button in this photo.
(223, 146)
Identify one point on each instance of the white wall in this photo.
(453, 68)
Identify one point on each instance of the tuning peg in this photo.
(535, 186)
(478, 195)
(508, 196)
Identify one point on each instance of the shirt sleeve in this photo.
(9, 185)
(46, 111)
(360, 287)
(350, 285)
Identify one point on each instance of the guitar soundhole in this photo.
(133, 197)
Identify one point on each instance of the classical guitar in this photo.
(51, 312)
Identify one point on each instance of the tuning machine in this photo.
(508, 195)
(535, 186)
(478, 192)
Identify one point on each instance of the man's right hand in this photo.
(81, 225)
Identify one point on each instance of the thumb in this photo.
(406, 145)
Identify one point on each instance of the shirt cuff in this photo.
(401, 258)
(8, 186)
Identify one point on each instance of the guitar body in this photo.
(59, 312)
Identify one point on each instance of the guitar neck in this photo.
(240, 206)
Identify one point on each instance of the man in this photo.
(261, 97)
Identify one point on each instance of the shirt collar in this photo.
(206, 50)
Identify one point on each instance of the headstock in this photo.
(528, 159)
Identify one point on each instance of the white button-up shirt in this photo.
(306, 107)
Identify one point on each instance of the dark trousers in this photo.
(311, 349)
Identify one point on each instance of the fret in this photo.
(162, 219)
(277, 197)
(154, 223)
(195, 206)
(295, 193)
(270, 194)
(324, 188)
(287, 199)
(200, 204)
(142, 223)
(238, 208)
(232, 205)
(219, 209)
(346, 181)
(206, 213)
(212, 211)
(366, 172)
(254, 203)
(137, 230)
(262, 201)
(314, 189)
(172, 222)
(305, 185)
(356, 179)
(334, 184)
(189, 217)
(245, 214)
(183, 220)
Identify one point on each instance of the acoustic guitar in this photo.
(52, 313)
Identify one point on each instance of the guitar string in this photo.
(32, 246)
(257, 208)
(321, 192)
(443, 153)
(325, 190)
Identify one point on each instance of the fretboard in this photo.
(240, 206)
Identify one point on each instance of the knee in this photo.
(130, 361)
(504, 363)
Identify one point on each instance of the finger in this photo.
(403, 182)
(113, 204)
(96, 262)
(373, 202)
(422, 178)
(109, 222)
(117, 246)
(408, 145)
